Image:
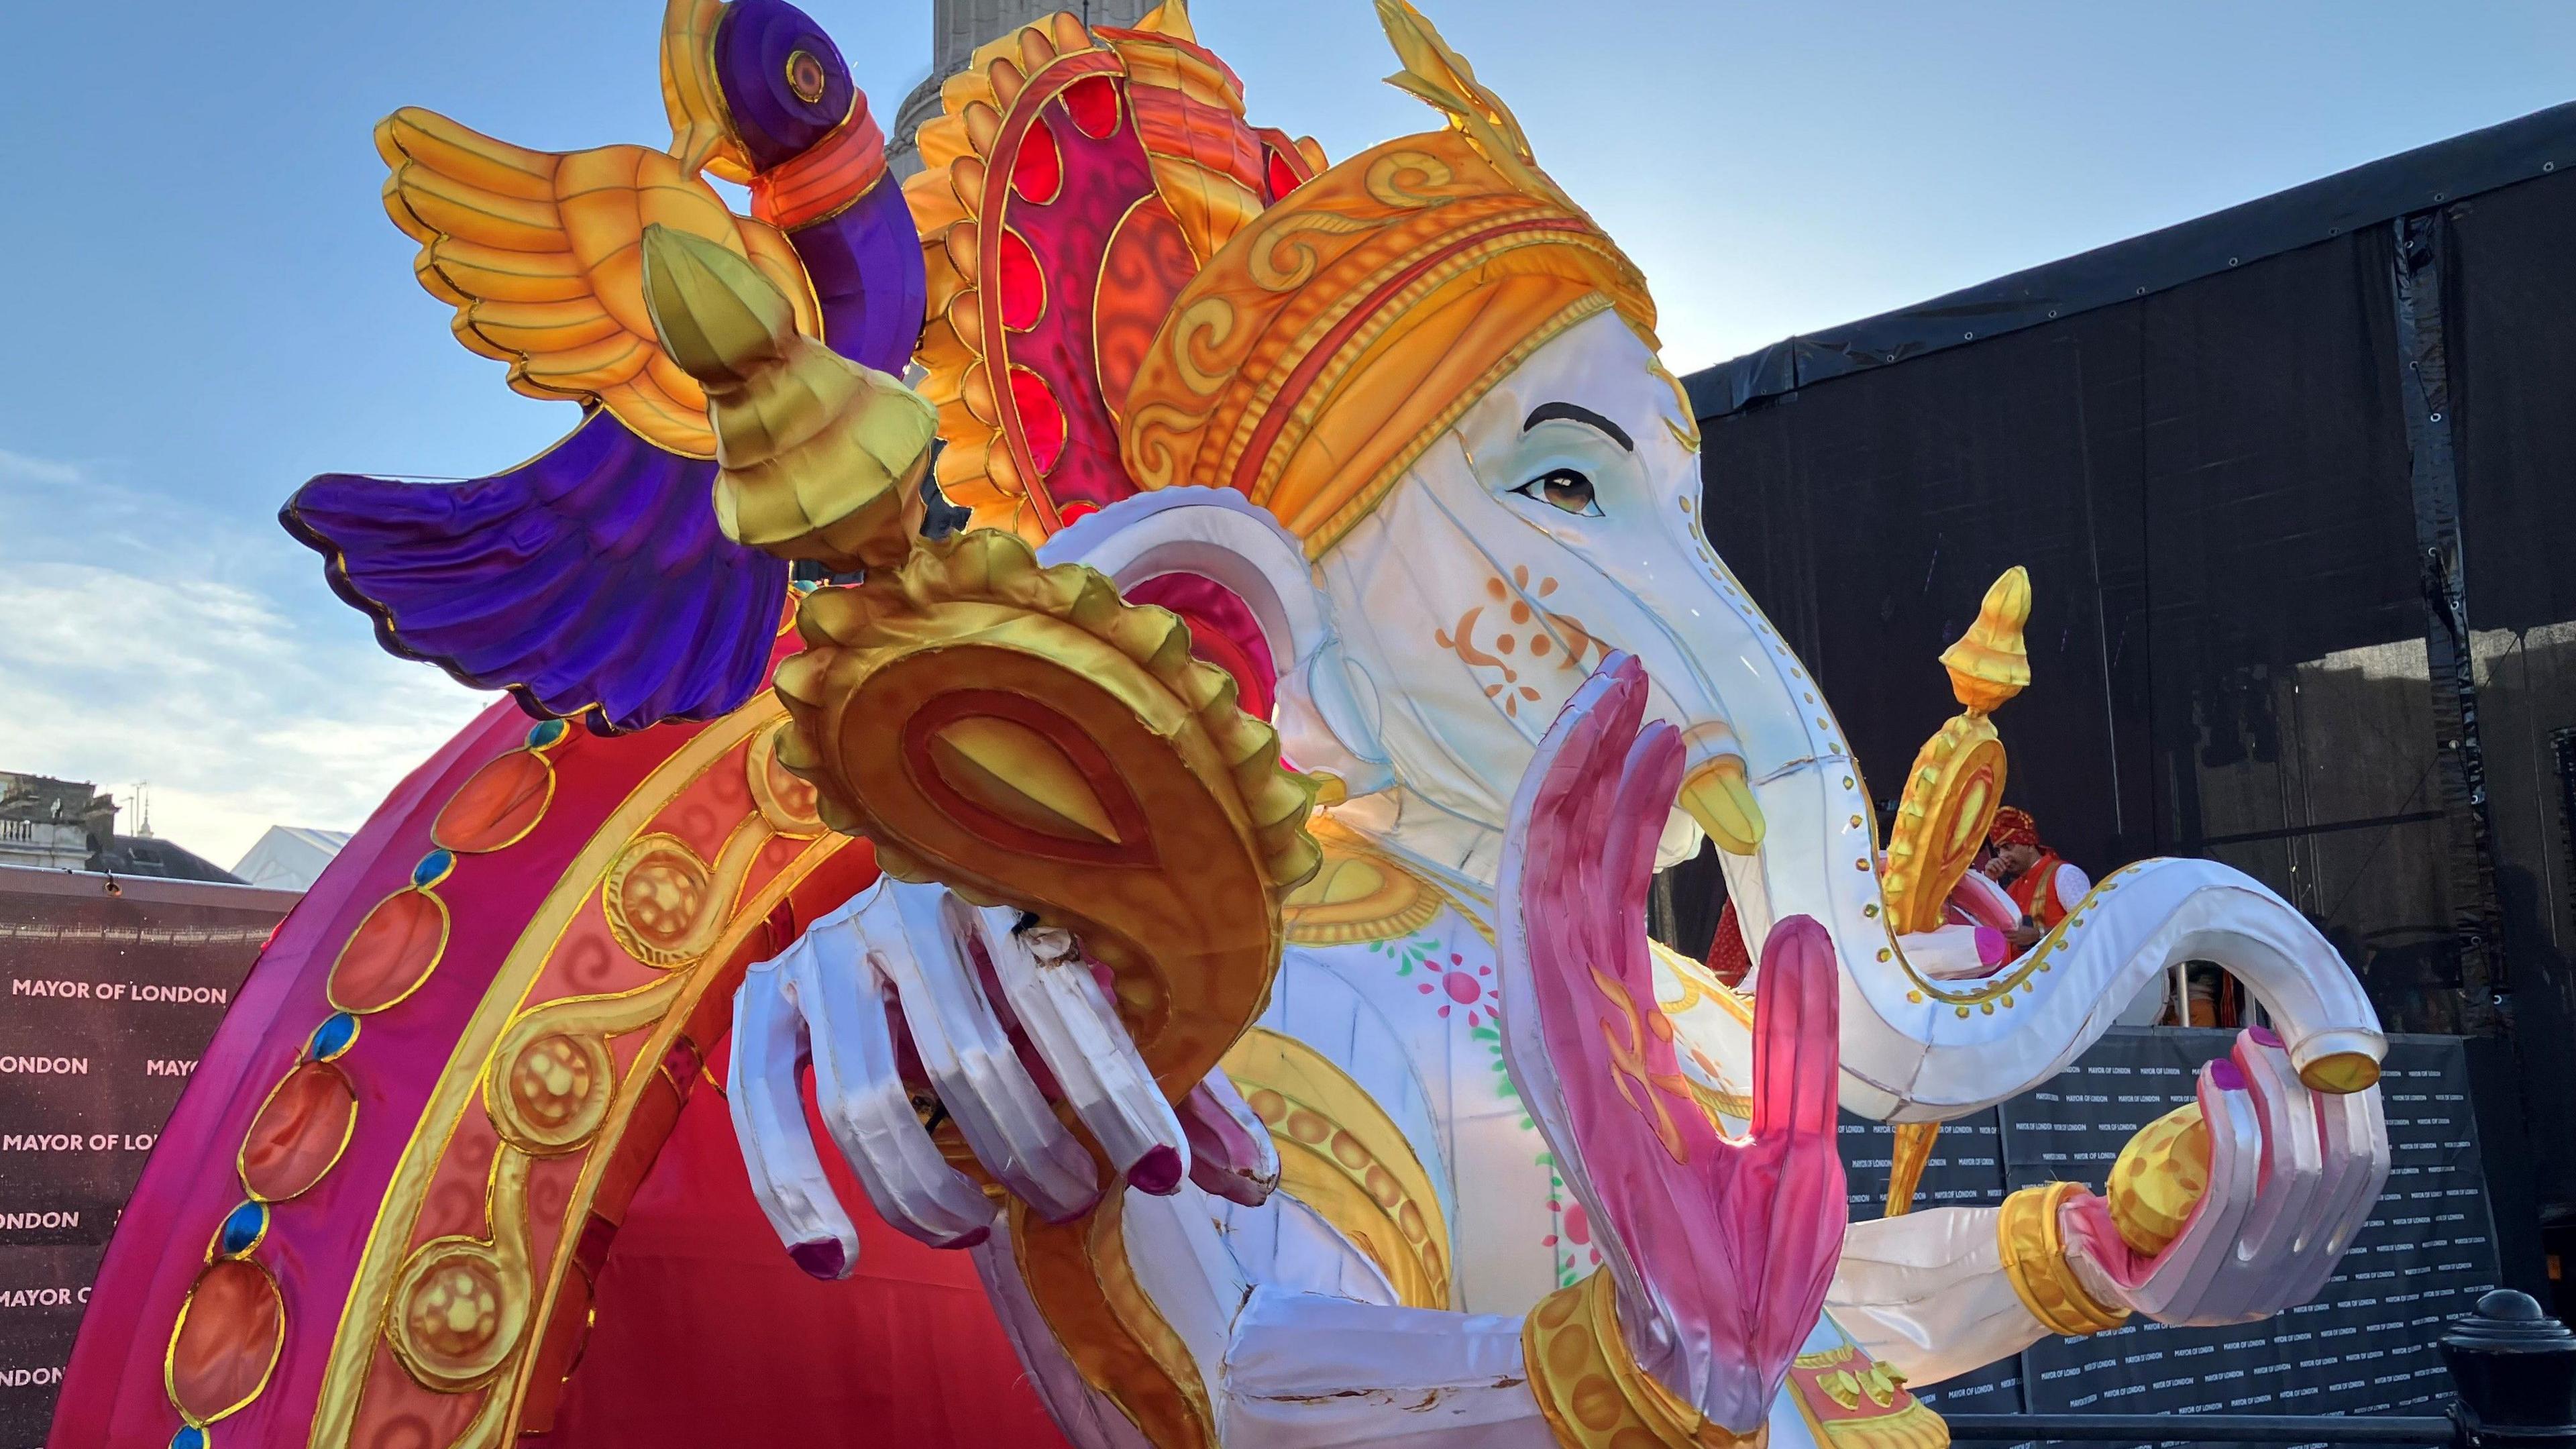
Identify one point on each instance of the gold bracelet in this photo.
(2034, 1252)
(1590, 1387)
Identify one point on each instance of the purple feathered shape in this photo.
(593, 581)
(592, 578)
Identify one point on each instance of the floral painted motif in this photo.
(1472, 992)
(1576, 1253)
(1561, 636)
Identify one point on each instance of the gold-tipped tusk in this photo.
(1718, 797)
(821, 458)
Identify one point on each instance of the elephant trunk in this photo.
(1922, 1049)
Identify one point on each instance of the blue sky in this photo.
(205, 303)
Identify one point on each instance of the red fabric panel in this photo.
(707, 1334)
(1728, 960)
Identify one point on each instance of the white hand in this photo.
(2293, 1175)
(910, 966)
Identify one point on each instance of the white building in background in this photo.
(44, 844)
(290, 857)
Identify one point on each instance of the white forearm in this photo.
(1284, 1366)
(1927, 1294)
(1307, 1371)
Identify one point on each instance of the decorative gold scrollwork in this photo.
(460, 1306)
(666, 905)
(553, 1078)
(785, 801)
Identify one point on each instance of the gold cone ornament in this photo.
(1957, 779)
(822, 458)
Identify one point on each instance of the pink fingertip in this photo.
(1991, 946)
(2228, 1076)
(1158, 1173)
(2264, 1036)
(1796, 933)
(825, 1260)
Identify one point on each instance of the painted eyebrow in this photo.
(1577, 413)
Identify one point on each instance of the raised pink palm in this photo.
(1722, 1248)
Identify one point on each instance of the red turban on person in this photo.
(2013, 826)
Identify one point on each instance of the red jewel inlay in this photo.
(1283, 177)
(1093, 100)
(1040, 418)
(1023, 285)
(1038, 173)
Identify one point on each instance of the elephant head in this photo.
(1408, 436)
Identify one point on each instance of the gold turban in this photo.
(1322, 350)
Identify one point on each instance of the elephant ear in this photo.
(1243, 586)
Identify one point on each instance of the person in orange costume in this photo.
(2041, 883)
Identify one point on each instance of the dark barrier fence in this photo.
(2515, 1368)
(112, 987)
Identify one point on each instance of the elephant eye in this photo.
(1565, 488)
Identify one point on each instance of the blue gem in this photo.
(243, 1227)
(333, 1036)
(547, 733)
(433, 868)
(188, 1437)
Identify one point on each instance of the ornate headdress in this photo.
(1311, 361)
(2013, 826)
(1076, 178)
(1207, 304)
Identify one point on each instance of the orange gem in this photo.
(299, 1132)
(500, 804)
(226, 1341)
(391, 953)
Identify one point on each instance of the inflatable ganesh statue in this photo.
(1207, 882)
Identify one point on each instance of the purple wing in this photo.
(593, 581)
(592, 578)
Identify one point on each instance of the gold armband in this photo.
(2034, 1251)
(1590, 1387)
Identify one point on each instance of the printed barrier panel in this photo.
(109, 999)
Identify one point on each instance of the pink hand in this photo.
(1722, 1249)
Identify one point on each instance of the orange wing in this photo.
(540, 254)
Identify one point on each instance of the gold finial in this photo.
(1958, 776)
(1171, 18)
(1989, 665)
(821, 457)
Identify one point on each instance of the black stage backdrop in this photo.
(110, 997)
(2291, 484)
(2364, 1346)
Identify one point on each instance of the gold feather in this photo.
(1441, 77)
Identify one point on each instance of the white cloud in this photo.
(144, 638)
